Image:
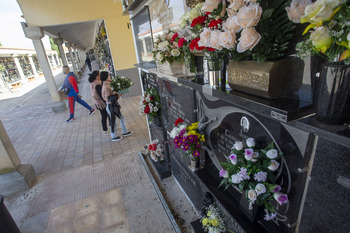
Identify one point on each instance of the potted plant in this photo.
(328, 36)
(254, 172)
(212, 221)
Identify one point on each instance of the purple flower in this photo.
(195, 138)
(177, 145)
(277, 189)
(182, 132)
(233, 159)
(176, 140)
(269, 216)
(190, 138)
(243, 174)
(260, 176)
(281, 198)
(224, 173)
(186, 147)
(248, 154)
(196, 153)
(198, 146)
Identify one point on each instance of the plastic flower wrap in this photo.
(254, 172)
(155, 151)
(119, 83)
(328, 28)
(213, 222)
(166, 49)
(187, 138)
(150, 103)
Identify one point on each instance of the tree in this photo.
(54, 46)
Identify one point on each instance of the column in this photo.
(14, 176)
(19, 67)
(76, 53)
(30, 57)
(53, 66)
(69, 46)
(35, 34)
(59, 42)
(54, 59)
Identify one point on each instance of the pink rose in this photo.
(249, 16)
(297, 9)
(210, 5)
(236, 4)
(249, 38)
(205, 38)
(227, 39)
(215, 40)
(231, 24)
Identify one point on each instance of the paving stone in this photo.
(62, 214)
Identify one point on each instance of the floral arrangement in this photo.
(150, 103)
(155, 151)
(328, 27)
(120, 83)
(248, 29)
(253, 171)
(213, 222)
(165, 49)
(188, 138)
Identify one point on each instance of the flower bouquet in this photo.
(121, 84)
(155, 151)
(213, 222)
(254, 172)
(166, 52)
(188, 138)
(328, 27)
(150, 103)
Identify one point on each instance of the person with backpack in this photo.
(113, 107)
(70, 88)
(88, 62)
(96, 95)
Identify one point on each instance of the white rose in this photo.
(159, 56)
(163, 46)
(238, 145)
(150, 105)
(227, 40)
(210, 5)
(175, 132)
(321, 39)
(215, 40)
(175, 52)
(249, 16)
(147, 99)
(320, 11)
(205, 38)
(297, 9)
(252, 195)
(250, 142)
(170, 36)
(236, 4)
(272, 153)
(231, 24)
(274, 165)
(155, 109)
(260, 188)
(236, 179)
(249, 38)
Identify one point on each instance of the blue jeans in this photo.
(114, 124)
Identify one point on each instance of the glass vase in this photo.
(215, 71)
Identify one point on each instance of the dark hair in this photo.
(93, 75)
(104, 75)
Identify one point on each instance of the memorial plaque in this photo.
(233, 124)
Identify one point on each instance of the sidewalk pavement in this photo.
(85, 182)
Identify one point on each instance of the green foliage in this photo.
(54, 47)
(2, 67)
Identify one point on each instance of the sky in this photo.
(11, 32)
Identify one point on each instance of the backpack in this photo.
(65, 89)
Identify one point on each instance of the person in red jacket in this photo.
(71, 86)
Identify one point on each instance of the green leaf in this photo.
(267, 13)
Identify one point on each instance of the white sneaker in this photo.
(105, 132)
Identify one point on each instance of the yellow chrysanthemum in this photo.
(215, 222)
(209, 213)
(205, 221)
(202, 138)
(192, 132)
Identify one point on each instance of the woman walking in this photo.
(96, 95)
(108, 95)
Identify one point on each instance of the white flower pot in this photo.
(171, 69)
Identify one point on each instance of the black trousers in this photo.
(104, 116)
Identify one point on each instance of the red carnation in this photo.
(209, 49)
(194, 44)
(198, 20)
(215, 23)
(151, 98)
(181, 42)
(147, 109)
(174, 37)
(152, 147)
(179, 120)
(144, 101)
